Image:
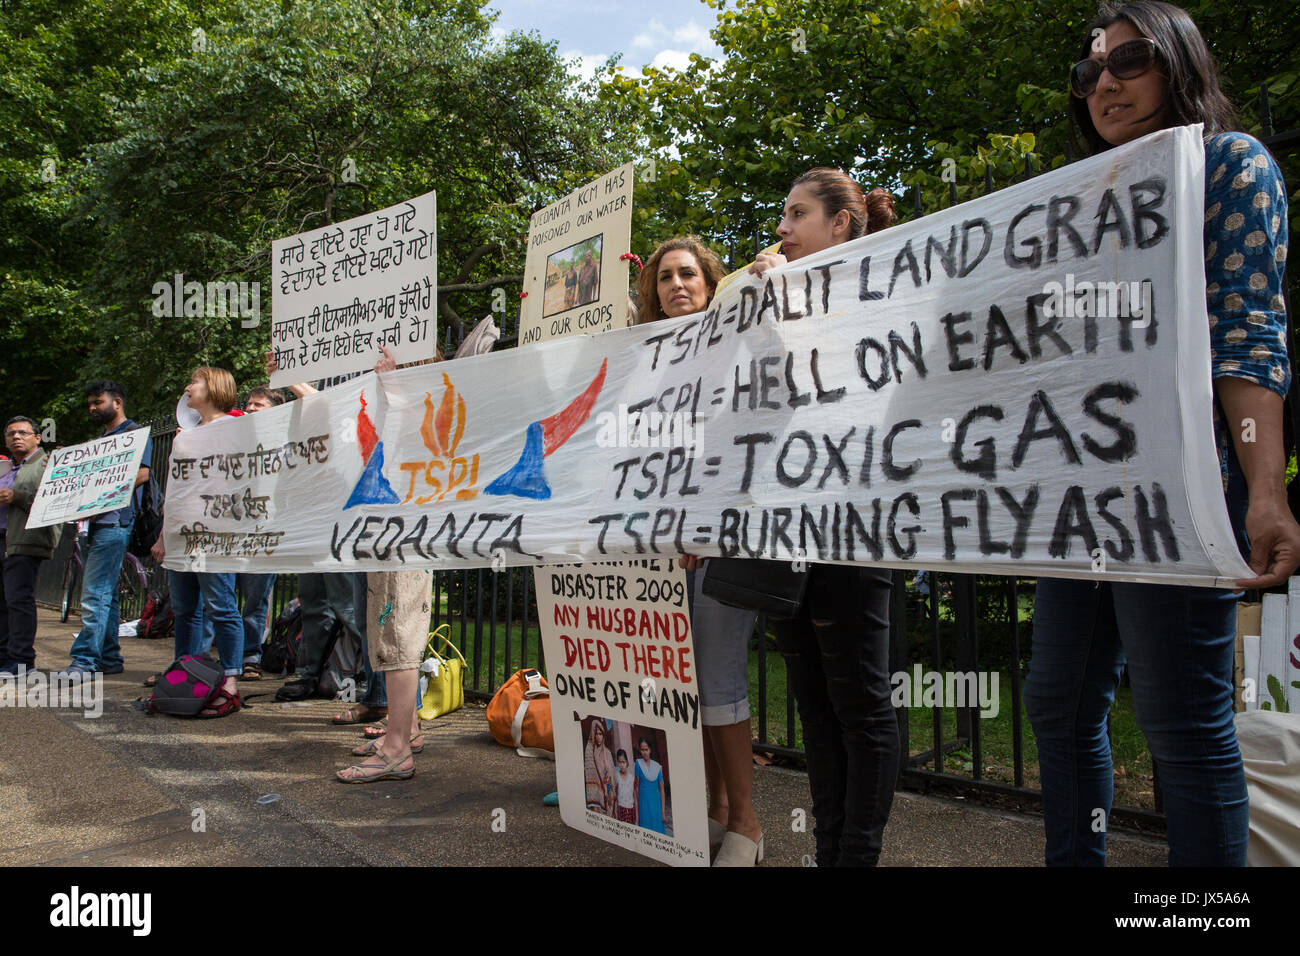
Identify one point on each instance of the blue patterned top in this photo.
(1245, 260)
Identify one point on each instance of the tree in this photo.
(892, 92)
(61, 67)
(269, 119)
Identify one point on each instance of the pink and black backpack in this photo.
(186, 687)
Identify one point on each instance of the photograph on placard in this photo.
(573, 276)
(625, 772)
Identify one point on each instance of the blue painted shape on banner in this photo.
(525, 479)
(373, 487)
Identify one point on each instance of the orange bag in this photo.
(519, 715)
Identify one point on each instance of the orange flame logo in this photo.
(436, 429)
(445, 473)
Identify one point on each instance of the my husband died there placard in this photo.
(575, 280)
(619, 654)
(341, 291)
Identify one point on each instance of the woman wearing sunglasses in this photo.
(1153, 71)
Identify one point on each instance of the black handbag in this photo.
(773, 588)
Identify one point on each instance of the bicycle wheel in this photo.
(71, 575)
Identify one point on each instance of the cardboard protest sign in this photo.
(625, 705)
(1018, 385)
(574, 279)
(341, 291)
(85, 480)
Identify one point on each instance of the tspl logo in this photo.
(445, 471)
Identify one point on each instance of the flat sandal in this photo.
(388, 771)
(367, 749)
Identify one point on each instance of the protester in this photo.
(25, 548)
(397, 632)
(836, 646)
(650, 789)
(212, 394)
(7, 475)
(256, 588)
(1153, 72)
(679, 279)
(332, 606)
(598, 769)
(95, 647)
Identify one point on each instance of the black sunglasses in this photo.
(1126, 62)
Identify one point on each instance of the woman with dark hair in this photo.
(650, 789)
(679, 279)
(1152, 72)
(836, 646)
(212, 394)
(598, 769)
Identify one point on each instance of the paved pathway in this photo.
(129, 789)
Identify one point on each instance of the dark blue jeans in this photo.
(1178, 644)
(837, 656)
(216, 594)
(256, 589)
(95, 647)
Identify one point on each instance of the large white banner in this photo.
(85, 480)
(341, 291)
(1017, 385)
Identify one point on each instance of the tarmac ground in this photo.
(258, 787)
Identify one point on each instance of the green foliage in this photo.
(205, 146)
(886, 93)
(889, 92)
(174, 151)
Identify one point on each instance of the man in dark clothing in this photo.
(24, 549)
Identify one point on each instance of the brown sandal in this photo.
(366, 750)
(360, 714)
(222, 705)
(370, 773)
